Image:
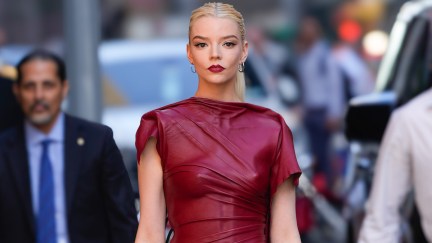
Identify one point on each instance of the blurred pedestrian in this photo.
(10, 112)
(272, 55)
(222, 169)
(62, 179)
(404, 163)
(358, 78)
(322, 93)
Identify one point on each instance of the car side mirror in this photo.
(367, 116)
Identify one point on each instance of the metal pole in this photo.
(82, 31)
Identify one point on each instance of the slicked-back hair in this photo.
(44, 55)
(220, 10)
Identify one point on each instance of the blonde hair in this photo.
(223, 10)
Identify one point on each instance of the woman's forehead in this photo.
(212, 26)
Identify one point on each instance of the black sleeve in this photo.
(119, 197)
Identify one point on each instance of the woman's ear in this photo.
(189, 55)
(245, 51)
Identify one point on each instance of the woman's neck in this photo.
(220, 97)
(217, 92)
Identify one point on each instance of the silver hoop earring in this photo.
(193, 69)
(241, 67)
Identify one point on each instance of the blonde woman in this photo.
(222, 170)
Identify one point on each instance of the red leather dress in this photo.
(222, 162)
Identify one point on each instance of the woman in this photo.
(217, 166)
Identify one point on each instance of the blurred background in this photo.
(43, 22)
(126, 57)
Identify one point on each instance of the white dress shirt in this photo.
(404, 163)
(34, 137)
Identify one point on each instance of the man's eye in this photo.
(28, 86)
(48, 86)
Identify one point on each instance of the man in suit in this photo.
(62, 179)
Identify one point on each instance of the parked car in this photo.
(405, 71)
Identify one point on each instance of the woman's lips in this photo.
(216, 68)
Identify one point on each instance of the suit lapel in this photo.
(18, 162)
(73, 158)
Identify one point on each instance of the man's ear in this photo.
(15, 89)
(65, 88)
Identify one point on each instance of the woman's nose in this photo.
(215, 52)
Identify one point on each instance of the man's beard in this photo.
(40, 119)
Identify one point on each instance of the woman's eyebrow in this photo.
(229, 37)
(222, 38)
(199, 37)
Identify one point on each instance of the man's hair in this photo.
(45, 56)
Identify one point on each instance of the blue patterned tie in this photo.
(46, 225)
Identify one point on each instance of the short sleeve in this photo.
(285, 164)
(148, 128)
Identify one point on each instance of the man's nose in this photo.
(39, 92)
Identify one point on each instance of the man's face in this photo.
(40, 93)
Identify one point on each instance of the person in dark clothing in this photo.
(10, 112)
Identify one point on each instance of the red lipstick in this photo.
(216, 68)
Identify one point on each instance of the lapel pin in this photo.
(80, 141)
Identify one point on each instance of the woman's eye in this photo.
(229, 44)
(201, 45)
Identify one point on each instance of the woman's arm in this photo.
(283, 223)
(152, 201)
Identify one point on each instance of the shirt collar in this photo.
(35, 136)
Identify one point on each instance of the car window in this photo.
(418, 72)
(151, 80)
(410, 70)
(161, 81)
